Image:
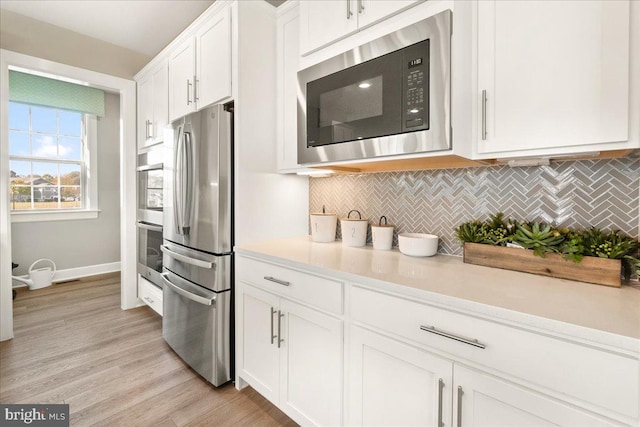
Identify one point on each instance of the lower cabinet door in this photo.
(311, 361)
(260, 353)
(395, 384)
(484, 400)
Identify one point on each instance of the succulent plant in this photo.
(539, 237)
(471, 232)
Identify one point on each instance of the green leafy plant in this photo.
(471, 232)
(539, 237)
(612, 245)
(572, 247)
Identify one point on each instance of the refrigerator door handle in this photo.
(177, 182)
(191, 296)
(187, 259)
(188, 182)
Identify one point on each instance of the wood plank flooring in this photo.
(73, 344)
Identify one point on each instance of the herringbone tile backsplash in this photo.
(601, 193)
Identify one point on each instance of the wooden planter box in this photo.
(601, 271)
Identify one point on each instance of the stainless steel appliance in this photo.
(149, 252)
(198, 241)
(150, 182)
(150, 204)
(390, 96)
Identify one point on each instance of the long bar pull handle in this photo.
(149, 126)
(273, 337)
(178, 176)
(193, 297)
(195, 89)
(440, 387)
(460, 393)
(146, 129)
(278, 281)
(484, 115)
(188, 183)
(187, 259)
(188, 90)
(280, 316)
(360, 6)
(469, 341)
(349, 13)
(150, 227)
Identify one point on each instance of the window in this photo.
(48, 158)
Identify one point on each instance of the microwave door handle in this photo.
(150, 227)
(177, 183)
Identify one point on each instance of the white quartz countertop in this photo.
(591, 312)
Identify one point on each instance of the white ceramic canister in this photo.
(323, 227)
(354, 231)
(382, 235)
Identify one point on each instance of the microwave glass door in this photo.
(150, 190)
(381, 97)
(149, 253)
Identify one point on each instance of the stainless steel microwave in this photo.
(390, 96)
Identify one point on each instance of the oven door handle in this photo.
(150, 227)
(187, 294)
(150, 167)
(187, 259)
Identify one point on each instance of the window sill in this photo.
(45, 216)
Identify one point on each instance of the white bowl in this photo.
(418, 244)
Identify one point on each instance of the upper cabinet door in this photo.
(322, 22)
(213, 60)
(145, 110)
(181, 80)
(160, 101)
(371, 11)
(552, 74)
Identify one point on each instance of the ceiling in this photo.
(142, 26)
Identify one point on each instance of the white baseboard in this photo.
(79, 272)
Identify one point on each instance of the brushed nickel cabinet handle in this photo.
(280, 316)
(149, 300)
(440, 387)
(460, 393)
(484, 115)
(195, 89)
(188, 90)
(360, 6)
(278, 281)
(349, 13)
(273, 337)
(464, 340)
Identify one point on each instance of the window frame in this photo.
(89, 180)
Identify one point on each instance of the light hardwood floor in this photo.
(73, 344)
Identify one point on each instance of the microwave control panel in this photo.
(415, 85)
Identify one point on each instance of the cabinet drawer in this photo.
(315, 290)
(598, 377)
(150, 294)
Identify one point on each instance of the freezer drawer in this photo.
(195, 324)
(211, 271)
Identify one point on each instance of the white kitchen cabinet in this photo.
(562, 373)
(213, 60)
(552, 74)
(289, 352)
(288, 53)
(392, 383)
(482, 400)
(153, 109)
(181, 80)
(200, 67)
(150, 294)
(323, 22)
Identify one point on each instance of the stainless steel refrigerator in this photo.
(198, 241)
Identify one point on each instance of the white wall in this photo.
(80, 243)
